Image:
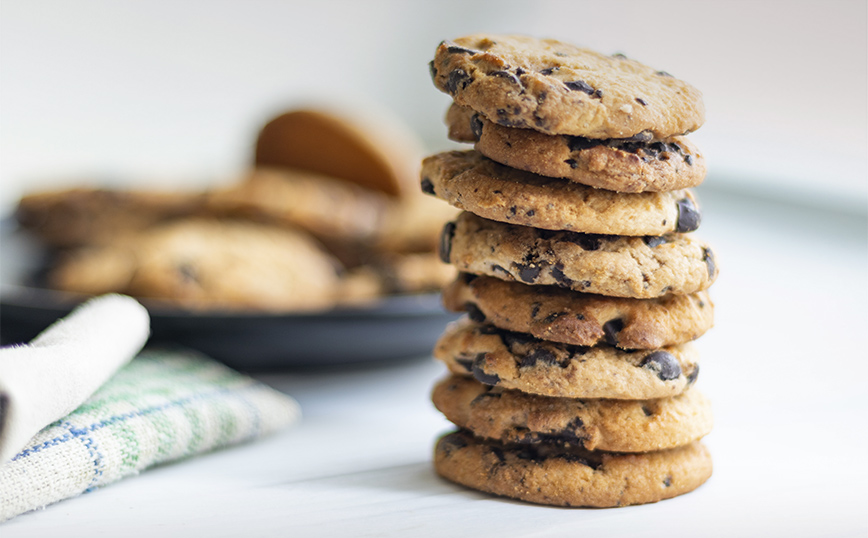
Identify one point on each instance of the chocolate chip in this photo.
(647, 411)
(663, 363)
(688, 216)
(688, 159)
(667, 482)
(611, 329)
(654, 240)
(432, 70)
(427, 186)
(457, 77)
(641, 101)
(528, 272)
(530, 212)
(534, 309)
(507, 75)
(482, 377)
(538, 355)
(573, 163)
(511, 339)
(662, 74)
(579, 143)
(549, 70)
(467, 364)
(691, 377)
(598, 94)
(476, 126)
(512, 210)
(553, 316)
(458, 49)
(454, 440)
(708, 258)
(519, 71)
(642, 136)
(619, 55)
(560, 277)
(446, 241)
(474, 313)
(580, 86)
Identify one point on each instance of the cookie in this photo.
(469, 181)
(331, 209)
(581, 319)
(633, 165)
(618, 266)
(395, 274)
(86, 216)
(216, 265)
(559, 476)
(511, 417)
(521, 362)
(557, 88)
(372, 150)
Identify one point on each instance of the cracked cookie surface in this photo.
(616, 164)
(472, 182)
(521, 362)
(553, 475)
(618, 266)
(582, 319)
(511, 416)
(558, 88)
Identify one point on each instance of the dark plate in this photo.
(396, 327)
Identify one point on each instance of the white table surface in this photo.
(785, 367)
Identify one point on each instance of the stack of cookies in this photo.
(572, 376)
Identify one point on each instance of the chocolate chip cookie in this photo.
(208, 264)
(637, 164)
(329, 208)
(513, 417)
(519, 361)
(618, 266)
(557, 88)
(581, 319)
(472, 182)
(548, 473)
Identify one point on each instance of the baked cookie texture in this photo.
(581, 319)
(472, 182)
(514, 417)
(636, 164)
(557, 88)
(555, 475)
(618, 266)
(518, 361)
(572, 374)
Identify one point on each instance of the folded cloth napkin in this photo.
(162, 406)
(44, 380)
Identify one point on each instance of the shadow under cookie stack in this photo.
(571, 374)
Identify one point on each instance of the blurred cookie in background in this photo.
(91, 215)
(203, 263)
(330, 214)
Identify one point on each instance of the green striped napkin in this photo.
(160, 407)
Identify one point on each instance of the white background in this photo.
(170, 91)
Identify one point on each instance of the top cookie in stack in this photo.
(581, 280)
